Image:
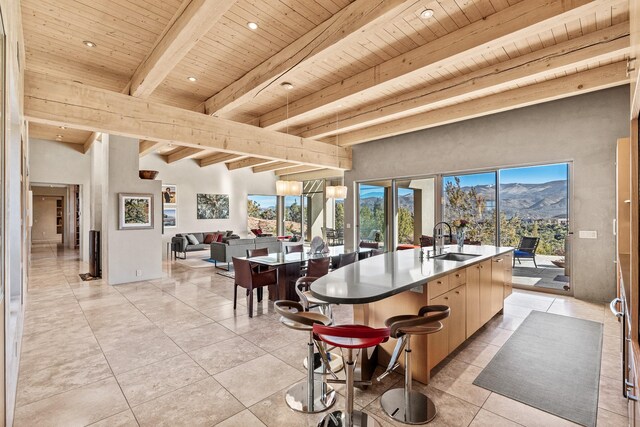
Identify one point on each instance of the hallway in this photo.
(173, 352)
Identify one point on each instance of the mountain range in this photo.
(529, 201)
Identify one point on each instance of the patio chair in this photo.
(526, 249)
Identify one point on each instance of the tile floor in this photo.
(173, 352)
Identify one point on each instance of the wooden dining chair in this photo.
(293, 248)
(346, 259)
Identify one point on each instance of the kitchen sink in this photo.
(453, 256)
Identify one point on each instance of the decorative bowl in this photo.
(147, 174)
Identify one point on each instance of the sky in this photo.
(264, 201)
(525, 175)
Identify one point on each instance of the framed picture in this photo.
(170, 217)
(135, 211)
(169, 194)
(213, 206)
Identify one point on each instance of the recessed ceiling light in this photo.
(58, 136)
(287, 85)
(191, 79)
(252, 25)
(88, 43)
(63, 127)
(426, 14)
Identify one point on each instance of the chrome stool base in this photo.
(418, 410)
(358, 419)
(324, 396)
(335, 364)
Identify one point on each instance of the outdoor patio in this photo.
(547, 275)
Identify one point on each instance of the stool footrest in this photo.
(387, 372)
(355, 383)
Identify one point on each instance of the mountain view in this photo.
(529, 201)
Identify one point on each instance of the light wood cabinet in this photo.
(473, 299)
(497, 284)
(485, 291)
(438, 286)
(457, 319)
(438, 342)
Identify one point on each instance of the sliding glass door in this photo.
(472, 198)
(373, 212)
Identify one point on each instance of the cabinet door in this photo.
(485, 292)
(457, 318)
(508, 274)
(497, 284)
(473, 299)
(438, 343)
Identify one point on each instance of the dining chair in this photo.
(346, 259)
(246, 277)
(293, 248)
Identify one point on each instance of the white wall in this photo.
(53, 163)
(191, 179)
(127, 251)
(581, 129)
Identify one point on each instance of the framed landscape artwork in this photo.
(169, 194)
(213, 206)
(170, 217)
(135, 211)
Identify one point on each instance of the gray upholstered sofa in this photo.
(182, 245)
(223, 252)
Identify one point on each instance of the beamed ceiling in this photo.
(361, 70)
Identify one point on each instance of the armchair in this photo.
(248, 278)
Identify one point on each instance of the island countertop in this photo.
(379, 277)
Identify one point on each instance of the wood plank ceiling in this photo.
(360, 69)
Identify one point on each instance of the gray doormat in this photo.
(552, 363)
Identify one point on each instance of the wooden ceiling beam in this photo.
(182, 153)
(247, 163)
(58, 102)
(329, 37)
(148, 147)
(273, 166)
(89, 142)
(214, 159)
(599, 46)
(192, 23)
(296, 169)
(563, 87)
(524, 19)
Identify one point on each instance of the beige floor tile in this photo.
(271, 338)
(521, 413)
(123, 419)
(77, 407)
(225, 355)
(204, 403)
(476, 353)
(493, 335)
(581, 311)
(223, 312)
(245, 324)
(137, 354)
(365, 397)
(610, 419)
(243, 419)
(611, 365)
(485, 418)
(157, 379)
(201, 336)
(265, 375)
(37, 385)
(610, 397)
(456, 378)
(533, 302)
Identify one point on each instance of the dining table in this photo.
(289, 267)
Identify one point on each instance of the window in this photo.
(262, 213)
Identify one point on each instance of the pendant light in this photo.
(336, 191)
(288, 188)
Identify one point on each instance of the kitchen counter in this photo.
(382, 276)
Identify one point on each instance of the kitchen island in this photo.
(474, 286)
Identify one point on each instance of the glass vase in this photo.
(460, 238)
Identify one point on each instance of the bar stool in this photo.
(308, 396)
(350, 337)
(405, 404)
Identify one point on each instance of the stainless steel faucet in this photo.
(435, 236)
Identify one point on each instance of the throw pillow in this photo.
(229, 233)
(210, 238)
(220, 237)
(192, 239)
